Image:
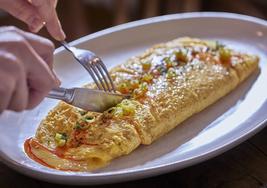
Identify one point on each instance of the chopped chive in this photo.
(82, 112)
(78, 126)
(89, 119)
(171, 73)
(61, 139)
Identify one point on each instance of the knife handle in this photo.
(61, 93)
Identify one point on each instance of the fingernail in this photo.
(58, 82)
(61, 35)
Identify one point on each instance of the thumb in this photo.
(25, 12)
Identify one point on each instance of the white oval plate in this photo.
(220, 127)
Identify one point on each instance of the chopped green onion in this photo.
(143, 86)
(147, 78)
(171, 73)
(141, 91)
(78, 126)
(118, 112)
(89, 119)
(61, 143)
(124, 102)
(111, 110)
(169, 63)
(64, 136)
(82, 112)
(160, 69)
(60, 139)
(212, 44)
(127, 107)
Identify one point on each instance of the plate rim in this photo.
(162, 18)
(157, 169)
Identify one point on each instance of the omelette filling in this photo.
(168, 83)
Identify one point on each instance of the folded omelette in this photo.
(168, 83)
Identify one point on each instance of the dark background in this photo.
(82, 17)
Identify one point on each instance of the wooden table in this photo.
(244, 166)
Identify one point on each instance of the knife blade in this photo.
(87, 99)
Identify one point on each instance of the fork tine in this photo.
(93, 65)
(92, 75)
(66, 46)
(103, 76)
(107, 73)
(96, 72)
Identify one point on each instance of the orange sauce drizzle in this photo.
(28, 150)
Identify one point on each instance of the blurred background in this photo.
(82, 17)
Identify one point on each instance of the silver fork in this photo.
(88, 99)
(94, 66)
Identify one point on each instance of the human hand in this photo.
(36, 14)
(26, 74)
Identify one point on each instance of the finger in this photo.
(40, 79)
(47, 11)
(25, 12)
(35, 97)
(6, 89)
(44, 47)
(8, 69)
(20, 96)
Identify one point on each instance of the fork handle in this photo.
(66, 45)
(61, 93)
